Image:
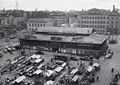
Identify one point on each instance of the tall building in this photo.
(101, 20)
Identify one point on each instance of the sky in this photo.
(64, 5)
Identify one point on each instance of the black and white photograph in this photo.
(59, 42)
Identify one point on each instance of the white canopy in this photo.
(33, 56)
(64, 64)
(40, 66)
(96, 65)
(19, 79)
(58, 69)
(49, 73)
(50, 82)
(75, 78)
(29, 68)
(38, 71)
(90, 68)
(74, 71)
(38, 60)
(14, 62)
(36, 56)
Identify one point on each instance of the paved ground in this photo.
(105, 73)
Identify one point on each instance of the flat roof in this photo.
(93, 38)
(76, 30)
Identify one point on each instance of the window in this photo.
(107, 22)
(107, 26)
(38, 25)
(111, 26)
(35, 25)
(116, 22)
(92, 17)
(95, 17)
(44, 24)
(35, 28)
(112, 22)
(30, 24)
(107, 17)
(29, 28)
(116, 26)
(103, 26)
(41, 25)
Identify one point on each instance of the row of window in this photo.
(93, 26)
(33, 29)
(98, 26)
(98, 22)
(100, 31)
(36, 25)
(98, 17)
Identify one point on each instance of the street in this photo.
(105, 73)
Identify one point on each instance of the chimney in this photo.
(113, 7)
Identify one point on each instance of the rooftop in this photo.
(66, 30)
(93, 38)
(39, 20)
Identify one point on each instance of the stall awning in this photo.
(38, 71)
(38, 60)
(90, 68)
(58, 69)
(49, 73)
(40, 66)
(75, 78)
(74, 71)
(96, 65)
(64, 64)
(19, 79)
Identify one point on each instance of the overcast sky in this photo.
(59, 4)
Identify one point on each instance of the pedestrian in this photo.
(97, 78)
(112, 70)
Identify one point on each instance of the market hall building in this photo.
(78, 41)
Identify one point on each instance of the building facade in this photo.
(37, 23)
(77, 42)
(101, 20)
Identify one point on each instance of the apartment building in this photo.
(102, 21)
